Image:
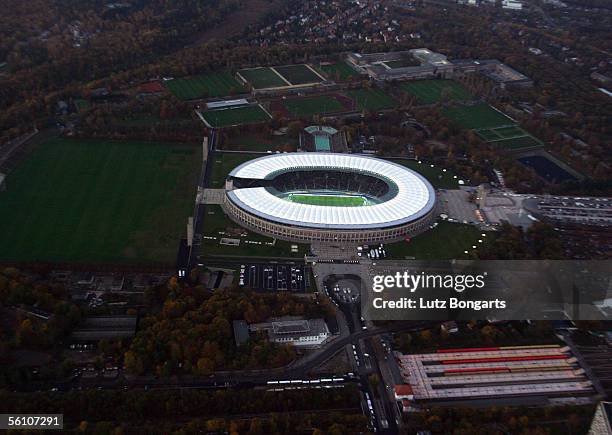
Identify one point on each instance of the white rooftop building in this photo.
(297, 332)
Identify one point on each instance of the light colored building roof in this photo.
(415, 196)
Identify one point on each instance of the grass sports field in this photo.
(518, 143)
(207, 85)
(339, 71)
(444, 242)
(252, 114)
(438, 178)
(223, 165)
(298, 74)
(261, 78)
(99, 202)
(259, 142)
(371, 99)
(216, 221)
(477, 117)
(431, 91)
(510, 137)
(328, 200)
(309, 106)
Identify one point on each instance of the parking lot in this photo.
(274, 277)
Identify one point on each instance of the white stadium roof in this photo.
(415, 196)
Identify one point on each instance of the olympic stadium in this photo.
(328, 197)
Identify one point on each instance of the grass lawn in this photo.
(518, 143)
(261, 78)
(436, 176)
(259, 142)
(223, 165)
(479, 116)
(236, 116)
(298, 74)
(431, 91)
(447, 241)
(371, 99)
(216, 221)
(328, 200)
(216, 84)
(509, 138)
(339, 71)
(99, 202)
(309, 106)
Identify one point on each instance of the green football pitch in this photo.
(509, 138)
(298, 74)
(216, 84)
(99, 202)
(309, 106)
(328, 200)
(431, 91)
(478, 116)
(339, 71)
(371, 99)
(252, 114)
(261, 78)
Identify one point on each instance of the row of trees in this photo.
(161, 411)
(474, 334)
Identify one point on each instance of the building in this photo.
(294, 331)
(224, 104)
(602, 420)
(535, 375)
(422, 63)
(502, 74)
(241, 332)
(322, 138)
(97, 328)
(512, 4)
(329, 197)
(402, 65)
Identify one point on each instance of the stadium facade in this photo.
(328, 197)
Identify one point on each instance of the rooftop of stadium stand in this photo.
(400, 195)
(314, 129)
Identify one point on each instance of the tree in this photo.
(205, 366)
(133, 363)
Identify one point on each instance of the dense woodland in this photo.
(193, 332)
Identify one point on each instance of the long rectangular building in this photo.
(492, 373)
